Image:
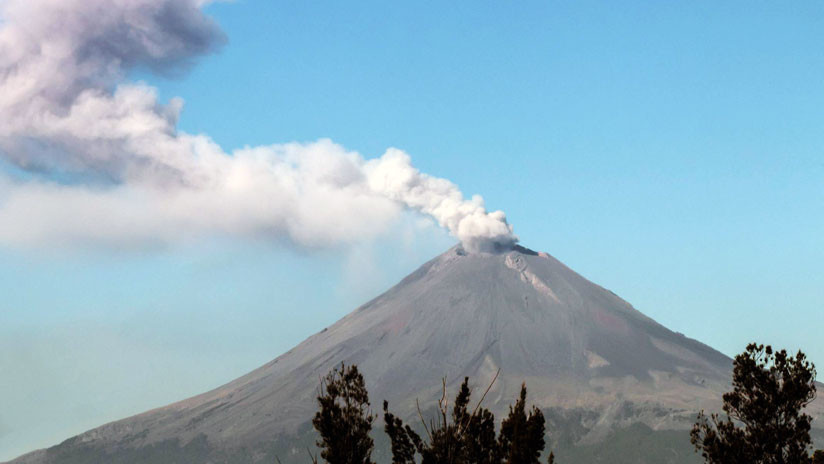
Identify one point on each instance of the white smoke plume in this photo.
(91, 158)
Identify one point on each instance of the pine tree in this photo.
(522, 434)
(468, 437)
(764, 422)
(404, 440)
(465, 437)
(344, 418)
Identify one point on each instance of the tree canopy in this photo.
(764, 422)
(344, 418)
(468, 436)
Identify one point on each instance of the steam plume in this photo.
(102, 160)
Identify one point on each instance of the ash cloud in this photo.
(105, 163)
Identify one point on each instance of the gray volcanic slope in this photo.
(612, 382)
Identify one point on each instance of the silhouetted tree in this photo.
(522, 434)
(764, 422)
(476, 429)
(469, 437)
(344, 418)
(464, 438)
(404, 440)
(818, 457)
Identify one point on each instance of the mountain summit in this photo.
(610, 379)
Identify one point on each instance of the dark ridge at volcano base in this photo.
(615, 385)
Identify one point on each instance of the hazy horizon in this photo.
(670, 153)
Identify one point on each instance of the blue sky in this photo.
(670, 152)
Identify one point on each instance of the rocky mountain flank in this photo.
(614, 384)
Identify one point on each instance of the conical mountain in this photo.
(610, 380)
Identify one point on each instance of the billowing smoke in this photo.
(93, 159)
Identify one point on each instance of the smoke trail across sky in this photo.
(99, 160)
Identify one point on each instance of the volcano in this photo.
(614, 385)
